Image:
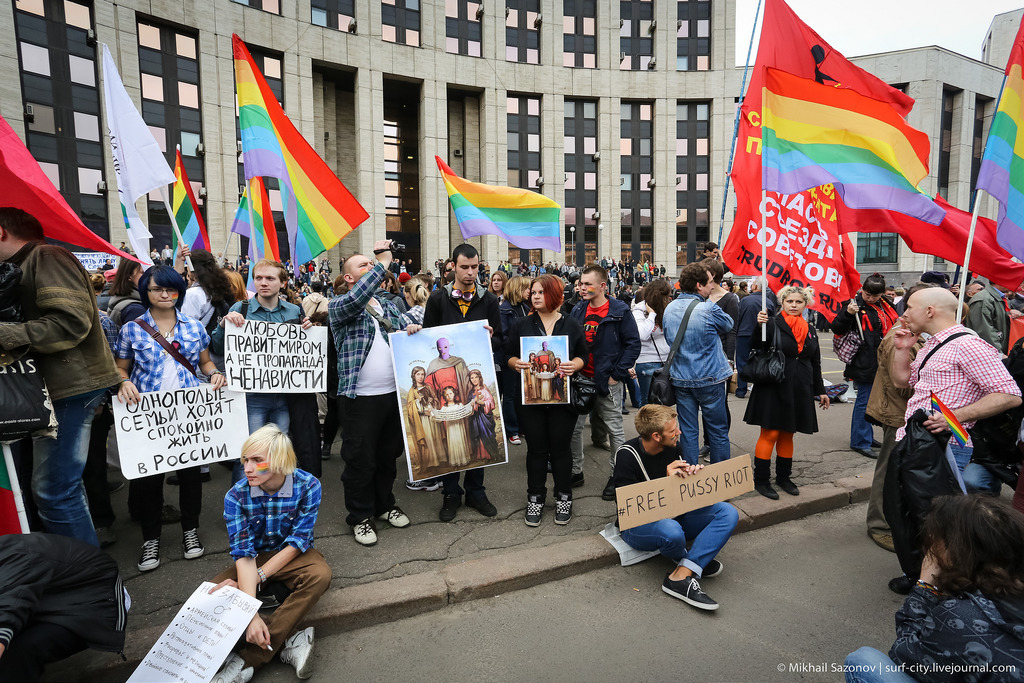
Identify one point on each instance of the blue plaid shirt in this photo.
(109, 331)
(147, 356)
(353, 327)
(260, 522)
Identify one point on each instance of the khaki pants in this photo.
(308, 577)
(876, 518)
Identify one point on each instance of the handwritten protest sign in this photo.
(94, 260)
(172, 430)
(199, 638)
(275, 357)
(650, 501)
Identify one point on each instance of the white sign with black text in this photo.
(279, 358)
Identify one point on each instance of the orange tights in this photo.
(774, 439)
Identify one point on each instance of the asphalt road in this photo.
(794, 596)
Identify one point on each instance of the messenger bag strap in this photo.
(175, 353)
(681, 331)
(638, 460)
(937, 347)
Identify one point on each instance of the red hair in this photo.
(551, 285)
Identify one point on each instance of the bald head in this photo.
(931, 310)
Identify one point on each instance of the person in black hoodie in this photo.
(58, 596)
(458, 302)
(870, 316)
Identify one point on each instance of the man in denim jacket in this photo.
(700, 369)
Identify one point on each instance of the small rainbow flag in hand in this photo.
(959, 433)
(186, 211)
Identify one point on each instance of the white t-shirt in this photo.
(377, 376)
(197, 304)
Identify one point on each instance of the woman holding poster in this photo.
(159, 351)
(548, 428)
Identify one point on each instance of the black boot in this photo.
(762, 478)
(783, 470)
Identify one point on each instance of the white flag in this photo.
(138, 162)
(138, 234)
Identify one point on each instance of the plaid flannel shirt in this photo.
(259, 522)
(353, 327)
(109, 331)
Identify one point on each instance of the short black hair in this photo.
(874, 284)
(317, 286)
(710, 246)
(21, 224)
(162, 276)
(466, 250)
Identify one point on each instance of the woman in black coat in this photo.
(785, 408)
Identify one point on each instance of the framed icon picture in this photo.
(541, 384)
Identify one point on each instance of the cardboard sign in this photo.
(278, 358)
(667, 497)
(199, 638)
(172, 430)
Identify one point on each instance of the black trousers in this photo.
(304, 431)
(548, 431)
(148, 494)
(35, 646)
(370, 449)
(94, 476)
(332, 421)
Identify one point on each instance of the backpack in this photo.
(995, 437)
(219, 311)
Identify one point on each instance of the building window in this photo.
(636, 188)
(272, 6)
(523, 152)
(636, 34)
(400, 21)
(580, 144)
(58, 84)
(981, 104)
(693, 144)
(693, 35)
(169, 67)
(522, 31)
(876, 247)
(579, 33)
(336, 14)
(946, 140)
(401, 167)
(463, 32)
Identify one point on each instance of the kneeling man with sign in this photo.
(270, 516)
(639, 497)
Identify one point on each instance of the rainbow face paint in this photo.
(263, 468)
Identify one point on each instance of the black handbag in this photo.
(662, 393)
(765, 365)
(582, 393)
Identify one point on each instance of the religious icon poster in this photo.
(448, 396)
(540, 384)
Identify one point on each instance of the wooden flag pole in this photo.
(19, 502)
(967, 259)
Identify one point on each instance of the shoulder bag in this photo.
(766, 365)
(847, 345)
(662, 392)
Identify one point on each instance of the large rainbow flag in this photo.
(262, 239)
(186, 211)
(1002, 165)
(319, 209)
(815, 134)
(526, 219)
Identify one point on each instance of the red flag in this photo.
(948, 240)
(803, 244)
(27, 187)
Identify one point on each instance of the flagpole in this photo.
(227, 243)
(764, 260)
(19, 502)
(174, 223)
(967, 257)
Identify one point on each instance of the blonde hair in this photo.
(514, 289)
(651, 419)
(417, 290)
(806, 292)
(269, 439)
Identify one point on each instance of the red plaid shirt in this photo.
(960, 372)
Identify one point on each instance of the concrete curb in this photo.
(355, 607)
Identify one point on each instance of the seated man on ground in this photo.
(270, 516)
(657, 450)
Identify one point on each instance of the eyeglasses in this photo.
(163, 290)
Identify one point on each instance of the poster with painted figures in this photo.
(540, 383)
(448, 396)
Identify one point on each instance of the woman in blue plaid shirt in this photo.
(146, 366)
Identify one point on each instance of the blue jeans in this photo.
(978, 479)
(644, 376)
(861, 431)
(709, 527)
(711, 401)
(742, 353)
(868, 665)
(263, 409)
(57, 467)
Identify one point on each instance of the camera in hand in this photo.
(393, 246)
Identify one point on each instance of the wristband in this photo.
(263, 577)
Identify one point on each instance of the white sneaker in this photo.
(234, 670)
(298, 651)
(395, 517)
(365, 532)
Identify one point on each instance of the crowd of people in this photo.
(124, 332)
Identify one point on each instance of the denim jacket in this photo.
(700, 360)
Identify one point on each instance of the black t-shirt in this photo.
(627, 470)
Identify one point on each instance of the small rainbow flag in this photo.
(526, 219)
(815, 134)
(186, 211)
(318, 209)
(959, 433)
(263, 241)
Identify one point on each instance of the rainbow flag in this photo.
(319, 209)
(1002, 165)
(186, 211)
(816, 134)
(265, 235)
(526, 219)
(959, 433)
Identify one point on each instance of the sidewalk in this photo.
(432, 564)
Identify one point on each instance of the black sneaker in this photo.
(482, 505)
(191, 544)
(609, 490)
(902, 585)
(563, 510)
(577, 480)
(688, 590)
(534, 510)
(150, 558)
(712, 568)
(448, 508)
